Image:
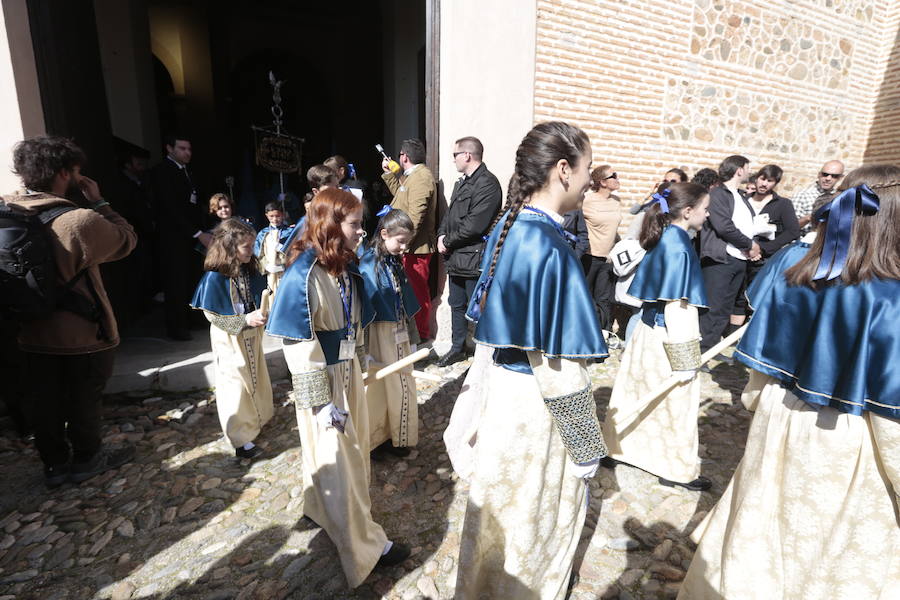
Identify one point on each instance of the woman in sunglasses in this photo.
(602, 210)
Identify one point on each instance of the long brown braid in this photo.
(539, 152)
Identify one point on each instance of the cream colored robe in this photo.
(660, 436)
(272, 262)
(243, 387)
(335, 464)
(526, 507)
(811, 511)
(393, 410)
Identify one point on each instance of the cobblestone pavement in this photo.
(187, 520)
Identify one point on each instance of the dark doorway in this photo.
(354, 75)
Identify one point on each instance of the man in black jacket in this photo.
(474, 203)
(726, 244)
(179, 221)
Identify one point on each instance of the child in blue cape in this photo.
(393, 411)
(229, 294)
(533, 436)
(267, 248)
(320, 313)
(660, 434)
(811, 511)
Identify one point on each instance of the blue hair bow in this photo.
(661, 198)
(839, 214)
(384, 210)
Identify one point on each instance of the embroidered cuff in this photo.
(361, 355)
(232, 325)
(683, 356)
(311, 389)
(575, 415)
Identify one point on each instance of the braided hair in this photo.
(539, 152)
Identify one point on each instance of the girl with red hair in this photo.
(320, 312)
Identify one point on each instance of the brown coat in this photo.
(81, 239)
(416, 195)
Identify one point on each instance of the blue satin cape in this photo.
(284, 233)
(292, 235)
(669, 271)
(837, 346)
(213, 293)
(538, 299)
(380, 290)
(290, 314)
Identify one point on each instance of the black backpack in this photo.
(28, 279)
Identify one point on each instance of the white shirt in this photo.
(742, 218)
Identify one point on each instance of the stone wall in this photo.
(665, 83)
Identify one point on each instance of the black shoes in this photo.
(396, 555)
(56, 476)
(101, 462)
(608, 462)
(451, 358)
(379, 453)
(251, 453)
(701, 484)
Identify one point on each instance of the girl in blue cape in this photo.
(320, 312)
(229, 295)
(393, 410)
(660, 435)
(811, 511)
(534, 435)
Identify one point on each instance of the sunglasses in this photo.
(455, 154)
(832, 175)
(613, 176)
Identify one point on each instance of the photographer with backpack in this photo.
(50, 252)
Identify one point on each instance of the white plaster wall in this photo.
(487, 80)
(20, 98)
(486, 90)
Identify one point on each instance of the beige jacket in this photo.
(82, 239)
(416, 195)
(602, 218)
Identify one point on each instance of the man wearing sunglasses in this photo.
(825, 185)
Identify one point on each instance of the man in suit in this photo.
(726, 244)
(474, 203)
(179, 222)
(415, 194)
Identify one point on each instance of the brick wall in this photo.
(884, 133)
(684, 83)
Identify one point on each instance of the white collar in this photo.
(175, 162)
(550, 213)
(410, 170)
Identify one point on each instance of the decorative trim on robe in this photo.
(575, 415)
(380, 289)
(214, 293)
(290, 315)
(538, 299)
(683, 356)
(311, 389)
(669, 271)
(836, 346)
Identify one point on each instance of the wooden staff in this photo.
(669, 383)
(415, 373)
(394, 367)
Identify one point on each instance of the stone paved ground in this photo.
(187, 520)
